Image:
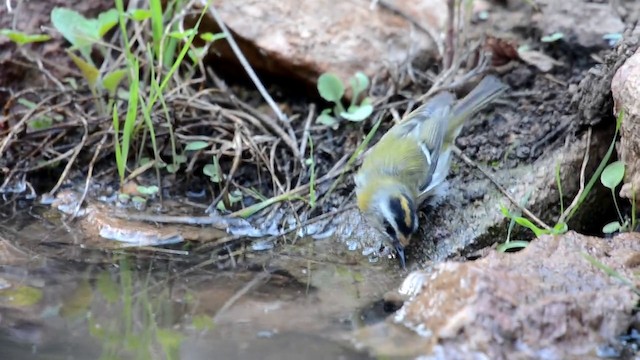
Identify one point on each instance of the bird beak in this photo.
(400, 251)
(399, 244)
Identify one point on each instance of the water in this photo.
(63, 299)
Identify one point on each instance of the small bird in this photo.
(411, 161)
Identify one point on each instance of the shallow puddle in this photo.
(59, 300)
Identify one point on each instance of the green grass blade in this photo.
(596, 175)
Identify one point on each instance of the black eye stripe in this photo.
(389, 229)
(402, 209)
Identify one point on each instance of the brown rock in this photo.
(624, 88)
(587, 22)
(303, 39)
(545, 300)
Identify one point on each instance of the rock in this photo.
(302, 39)
(625, 88)
(583, 22)
(591, 99)
(547, 301)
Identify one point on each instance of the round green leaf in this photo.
(140, 14)
(330, 87)
(611, 227)
(358, 114)
(196, 145)
(328, 120)
(612, 175)
(359, 82)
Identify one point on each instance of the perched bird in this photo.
(411, 161)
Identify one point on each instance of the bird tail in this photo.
(485, 92)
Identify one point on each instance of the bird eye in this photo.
(389, 229)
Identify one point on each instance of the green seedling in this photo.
(122, 147)
(613, 176)
(148, 190)
(610, 178)
(21, 38)
(233, 197)
(213, 171)
(332, 89)
(559, 228)
(83, 34)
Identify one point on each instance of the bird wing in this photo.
(427, 126)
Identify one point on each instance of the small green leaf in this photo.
(140, 14)
(172, 168)
(180, 35)
(515, 244)
(360, 113)
(89, 71)
(612, 175)
(106, 21)
(180, 159)
(330, 87)
(213, 171)
(552, 38)
(138, 199)
(111, 80)
(560, 228)
(328, 120)
(211, 37)
(148, 190)
(522, 221)
(80, 31)
(611, 227)
(195, 54)
(21, 38)
(196, 145)
(235, 196)
(359, 83)
(529, 225)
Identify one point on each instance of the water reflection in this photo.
(61, 301)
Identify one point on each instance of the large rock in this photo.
(625, 88)
(582, 22)
(547, 301)
(303, 39)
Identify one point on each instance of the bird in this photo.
(410, 162)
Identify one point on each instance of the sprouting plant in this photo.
(332, 89)
(611, 177)
(83, 34)
(213, 171)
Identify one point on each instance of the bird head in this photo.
(389, 207)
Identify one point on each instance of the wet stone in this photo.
(546, 299)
